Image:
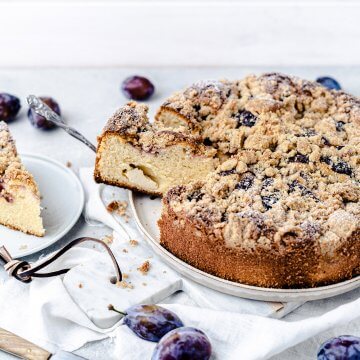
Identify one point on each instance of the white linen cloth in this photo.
(45, 313)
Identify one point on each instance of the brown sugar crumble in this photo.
(124, 285)
(108, 239)
(119, 208)
(145, 267)
(134, 242)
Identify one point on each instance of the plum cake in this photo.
(134, 154)
(275, 202)
(19, 195)
(282, 210)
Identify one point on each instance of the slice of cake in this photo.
(137, 155)
(19, 194)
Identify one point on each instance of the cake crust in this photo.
(298, 264)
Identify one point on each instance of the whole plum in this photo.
(9, 107)
(137, 88)
(344, 347)
(151, 322)
(185, 343)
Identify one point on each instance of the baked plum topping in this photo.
(227, 172)
(137, 88)
(39, 121)
(303, 189)
(344, 347)
(245, 183)
(300, 158)
(151, 322)
(9, 107)
(196, 195)
(328, 82)
(325, 141)
(269, 200)
(340, 126)
(341, 167)
(326, 160)
(185, 343)
(245, 118)
(267, 182)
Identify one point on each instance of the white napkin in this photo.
(44, 313)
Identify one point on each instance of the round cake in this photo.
(282, 209)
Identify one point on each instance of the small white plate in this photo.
(147, 212)
(62, 203)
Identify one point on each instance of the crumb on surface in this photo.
(134, 242)
(124, 285)
(144, 284)
(125, 276)
(145, 267)
(124, 251)
(23, 247)
(81, 285)
(118, 207)
(68, 164)
(108, 239)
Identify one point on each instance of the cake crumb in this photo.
(144, 284)
(108, 239)
(124, 285)
(124, 251)
(119, 208)
(68, 164)
(125, 276)
(134, 242)
(145, 267)
(80, 286)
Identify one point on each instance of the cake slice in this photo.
(19, 194)
(137, 155)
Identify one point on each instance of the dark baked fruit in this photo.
(137, 88)
(39, 121)
(329, 82)
(9, 107)
(344, 347)
(184, 343)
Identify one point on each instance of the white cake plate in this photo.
(62, 202)
(147, 212)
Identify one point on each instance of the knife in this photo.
(23, 349)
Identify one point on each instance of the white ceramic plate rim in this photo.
(169, 257)
(70, 225)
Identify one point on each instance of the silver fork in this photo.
(42, 109)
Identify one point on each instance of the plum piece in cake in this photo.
(135, 154)
(19, 195)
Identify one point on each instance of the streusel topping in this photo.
(132, 122)
(295, 149)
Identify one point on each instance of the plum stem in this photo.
(112, 308)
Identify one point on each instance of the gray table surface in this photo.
(88, 96)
